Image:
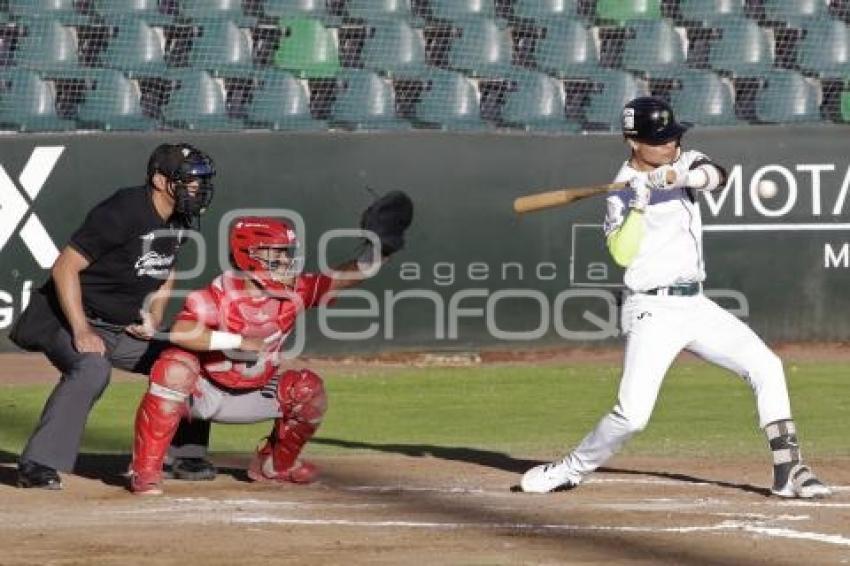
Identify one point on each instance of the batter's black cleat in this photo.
(33, 474)
(190, 469)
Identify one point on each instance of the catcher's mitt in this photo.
(388, 217)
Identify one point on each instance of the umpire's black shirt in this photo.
(130, 250)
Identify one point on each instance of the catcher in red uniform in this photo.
(228, 337)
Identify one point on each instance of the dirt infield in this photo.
(392, 509)
(451, 506)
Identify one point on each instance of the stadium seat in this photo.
(743, 47)
(365, 101)
(612, 89)
(825, 47)
(62, 10)
(707, 10)
(296, 8)
(450, 101)
(28, 103)
(393, 46)
(536, 102)
(565, 48)
(845, 106)
(545, 9)
(787, 96)
(380, 9)
(211, 9)
(282, 102)
(125, 8)
(622, 11)
(197, 102)
(451, 10)
(702, 97)
(113, 102)
(221, 45)
(135, 46)
(654, 45)
(308, 48)
(783, 10)
(47, 45)
(481, 47)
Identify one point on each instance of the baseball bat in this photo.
(562, 197)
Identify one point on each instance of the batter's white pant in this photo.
(236, 407)
(657, 328)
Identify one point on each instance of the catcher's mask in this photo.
(266, 249)
(189, 172)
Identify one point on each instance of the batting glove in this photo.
(642, 194)
(667, 177)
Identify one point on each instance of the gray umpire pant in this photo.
(56, 440)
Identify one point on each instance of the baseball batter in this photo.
(653, 228)
(230, 335)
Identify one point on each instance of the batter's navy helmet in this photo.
(650, 120)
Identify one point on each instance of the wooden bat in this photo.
(562, 197)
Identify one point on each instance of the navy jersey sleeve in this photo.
(105, 228)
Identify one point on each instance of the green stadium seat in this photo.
(135, 46)
(782, 10)
(28, 103)
(222, 46)
(211, 9)
(113, 102)
(845, 106)
(702, 97)
(545, 9)
(536, 102)
(125, 8)
(567, 47)
(296, 8)
(281, 101)
(393, 46)
(198, 102)
(787, 96)
(365, 101)
(707, 10)
(743, 47)
(63, 10)
(612, 90)
(825, 47)
(482, 48)
(451, 10)
(450, 101)
(47, 45)
(624, 10)
(654, 45)
(380, 9)
(308, 48)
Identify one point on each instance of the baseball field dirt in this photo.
(449, 503)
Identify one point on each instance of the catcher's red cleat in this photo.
(145, 484)
(262, 469)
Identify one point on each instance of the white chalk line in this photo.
(725, 526)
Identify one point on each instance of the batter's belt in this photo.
(681, 290)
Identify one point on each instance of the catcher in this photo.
(229, 337)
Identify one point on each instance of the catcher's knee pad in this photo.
(174, 375)
(302, 396)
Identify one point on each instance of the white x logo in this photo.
(14, 206)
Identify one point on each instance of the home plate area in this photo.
(388, 509)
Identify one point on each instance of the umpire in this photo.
(88, 317)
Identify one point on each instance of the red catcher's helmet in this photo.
(256, 244)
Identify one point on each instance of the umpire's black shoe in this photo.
(33, 474)
(190, 469)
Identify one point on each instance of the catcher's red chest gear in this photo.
(227, 305)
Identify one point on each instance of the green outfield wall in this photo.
(474, 274)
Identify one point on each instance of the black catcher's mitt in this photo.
(388, 217)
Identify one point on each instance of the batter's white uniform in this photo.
(658, 326)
